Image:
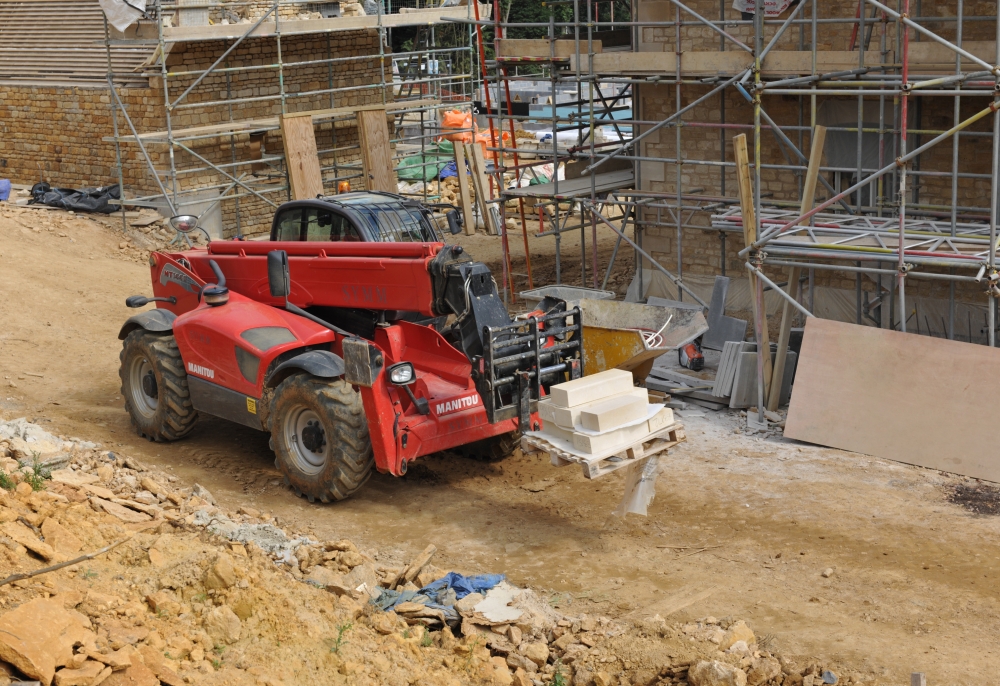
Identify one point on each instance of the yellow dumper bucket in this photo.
(631, 336)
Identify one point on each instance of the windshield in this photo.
(389, 223)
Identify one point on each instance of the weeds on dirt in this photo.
(976, 497)
(558, 678)
(6, 482)
(340, 642)
(37, 475)
(472, 653)
(426, 641)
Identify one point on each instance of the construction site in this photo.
(443, 342)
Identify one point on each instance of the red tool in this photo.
(690, 356)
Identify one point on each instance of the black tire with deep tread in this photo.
(492, 449)
(350, 460)
(175, 416)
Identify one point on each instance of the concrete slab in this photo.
(590, 388)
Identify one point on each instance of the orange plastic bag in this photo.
(453, 120)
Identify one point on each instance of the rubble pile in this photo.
(191, 593)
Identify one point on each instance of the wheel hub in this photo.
(143, 389)
(305, 438)
(149, 385)
(313, 437)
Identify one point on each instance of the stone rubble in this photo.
(198, 594)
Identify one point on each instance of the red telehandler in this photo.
(355, 336)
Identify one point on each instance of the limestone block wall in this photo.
(57, 131)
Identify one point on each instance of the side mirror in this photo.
(185, 223)
(277, 273)
(454, 224)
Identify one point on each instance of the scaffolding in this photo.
(412, 85)
(894, 214)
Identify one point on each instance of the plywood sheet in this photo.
(904, 397)
(304, 174)
(376, 152)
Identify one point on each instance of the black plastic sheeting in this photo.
(103, 200)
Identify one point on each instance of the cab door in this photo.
(313, 222)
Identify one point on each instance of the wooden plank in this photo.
(900, 396)
(477, 161)
(463, 189)
(541, 48)
(749, 236)
(376, 151)
(304, 174)
(271, 123)
(413, 17)
(784, 333)
(712, 63)
(934, 56)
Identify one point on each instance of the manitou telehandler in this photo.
(355, 336)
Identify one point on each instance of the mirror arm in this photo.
(423, 407)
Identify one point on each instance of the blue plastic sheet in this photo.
(431, 594)
(450, 169)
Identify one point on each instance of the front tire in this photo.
(155, 387)
(319, 434)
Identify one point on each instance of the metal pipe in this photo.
(780, 291)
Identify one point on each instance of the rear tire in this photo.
(319, 434)
(492, 449)
(155, 387)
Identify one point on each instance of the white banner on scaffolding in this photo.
(772, 8)
(123, 13)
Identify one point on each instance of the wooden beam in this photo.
(749, 236)
(541, 48)
(778, 63)
(376, 151)
(784, 333)
(474, 151)
(304, 174)
(463, 188)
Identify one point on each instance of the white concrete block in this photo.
(661, 419)
(590, 388)
(570, 417)
(611, 413)
(619, 438)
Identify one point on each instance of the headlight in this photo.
(402, 374)
(185, 223)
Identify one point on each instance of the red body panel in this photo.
(208, 337)
(389, 276)
(375, 276)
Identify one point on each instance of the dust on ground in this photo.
(742, 526)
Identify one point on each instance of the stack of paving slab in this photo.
(600, 415)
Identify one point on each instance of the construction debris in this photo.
(196, 594)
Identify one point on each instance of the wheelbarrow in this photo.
(631, 336)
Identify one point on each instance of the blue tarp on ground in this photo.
(433, 594)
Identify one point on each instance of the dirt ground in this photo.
(741, 525)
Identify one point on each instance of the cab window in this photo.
(290, 225)
(314, 224)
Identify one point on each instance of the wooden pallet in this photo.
(604, 463)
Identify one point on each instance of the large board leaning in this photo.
(304, 173)
(904, 397)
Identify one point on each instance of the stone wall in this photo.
(701, 249)
(62, 128)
